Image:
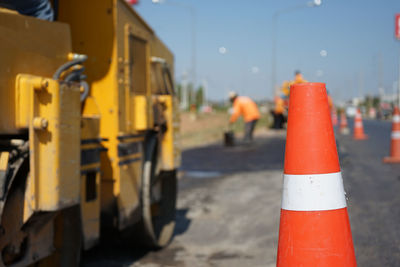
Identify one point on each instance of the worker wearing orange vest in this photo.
(330, 101)
(278, 112)
(298, 78)
(243, 105)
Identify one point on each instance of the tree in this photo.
(199, 97)
(178, 91)
(376, 101)
(191, 94)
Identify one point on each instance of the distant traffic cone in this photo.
(395, 136)
(314, 225)
(343, 124)
(358, 127)
(334, 117)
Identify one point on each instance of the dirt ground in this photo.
(203, 129)
(197, 130)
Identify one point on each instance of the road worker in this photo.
(298, 78)
(282, 100)
(278, 112)
(330, 101)
(243, 105)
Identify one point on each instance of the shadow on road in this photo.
(182, 222)
(113, 253)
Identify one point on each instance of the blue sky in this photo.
(358, 36)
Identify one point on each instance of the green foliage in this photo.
(195, 97)
(376, 101)
(220, 107)
(371, 101)
(199, 97)
(178, 90)
(191, 94)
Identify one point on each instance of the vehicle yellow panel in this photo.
(53, 115)
(37, 47)
(90, 179)
(139, 106)
(159, 49)
(170, 147)
(109, 74)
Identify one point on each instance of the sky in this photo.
(361, 52)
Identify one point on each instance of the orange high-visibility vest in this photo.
(279, 105)
(243, 105)
(330, 102)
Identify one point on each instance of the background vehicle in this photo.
(88, 132)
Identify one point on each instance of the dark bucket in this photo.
(229, 138)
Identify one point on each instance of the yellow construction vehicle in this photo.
(88, 132)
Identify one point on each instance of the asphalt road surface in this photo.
(373, 189)
(229, 205)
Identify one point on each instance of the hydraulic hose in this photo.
(68, 65)
(85, 92)
(77, 76)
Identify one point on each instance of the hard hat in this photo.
(232, 95)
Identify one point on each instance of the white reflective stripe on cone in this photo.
(358, 124)
(313, 192)
(395, 135)
(396, 118)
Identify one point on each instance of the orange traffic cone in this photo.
(314, 225)
(343, 124)
(334, 117)
(358, 127)
(395, 136)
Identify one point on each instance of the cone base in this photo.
(315, 238)
(361, 137)
(391, 160)
(344, 131)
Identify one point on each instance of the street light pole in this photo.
(275, 17)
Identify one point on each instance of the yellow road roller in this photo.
(88, 132)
